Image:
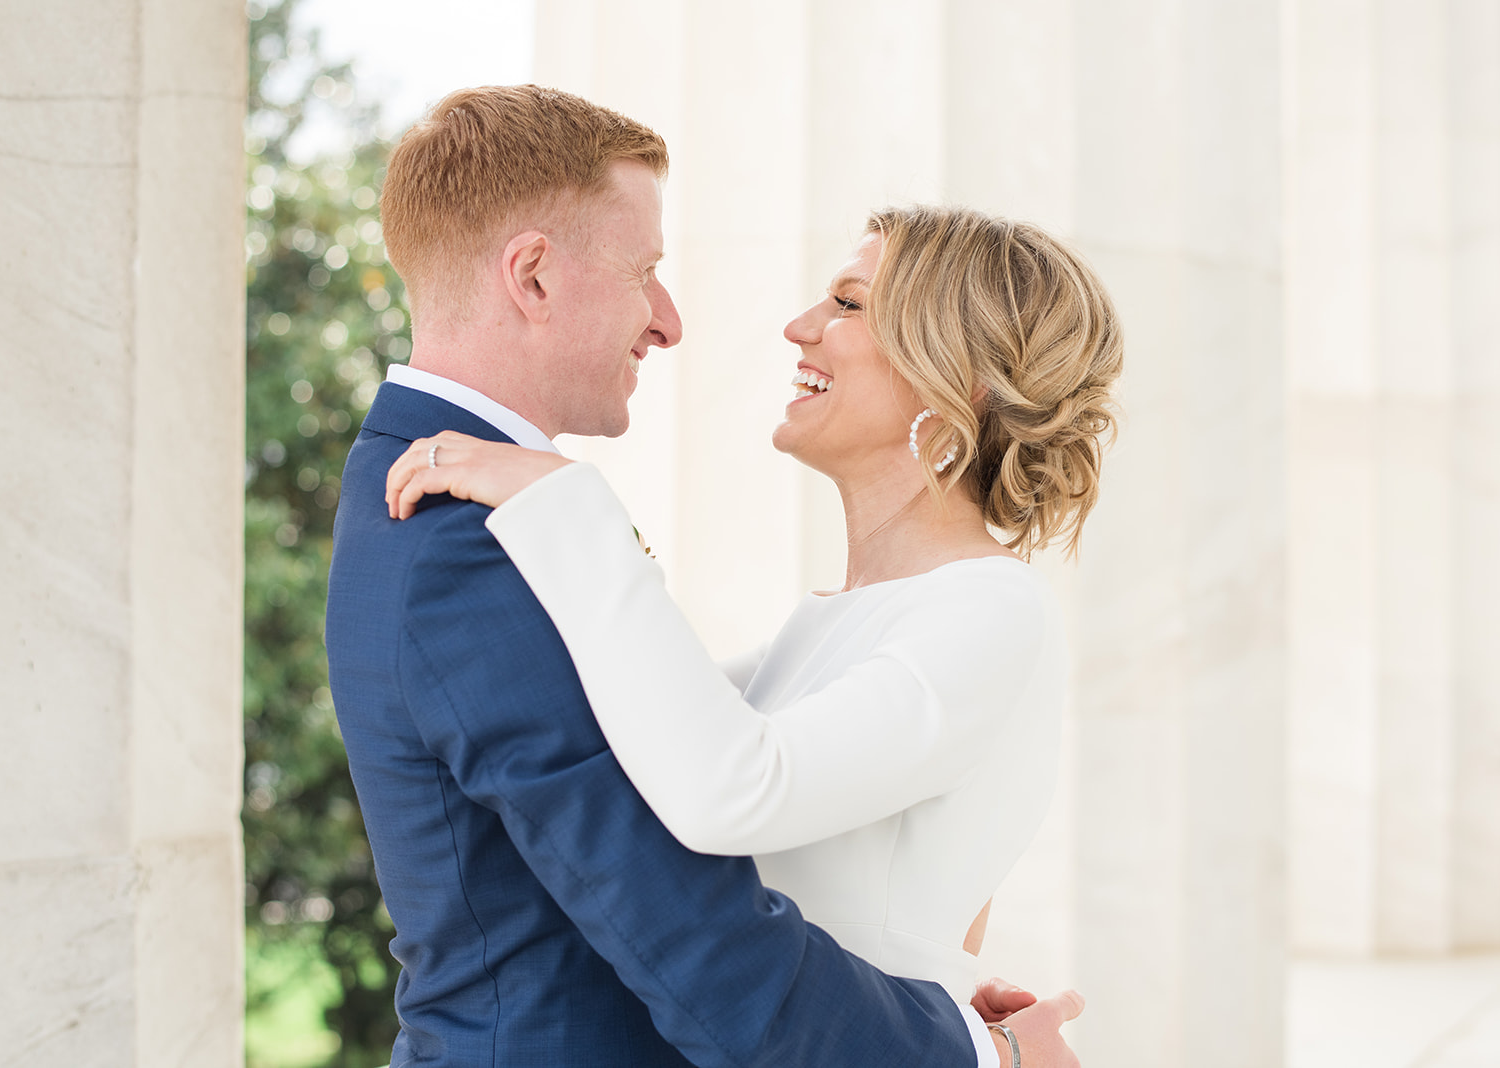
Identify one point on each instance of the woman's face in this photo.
(852, 411)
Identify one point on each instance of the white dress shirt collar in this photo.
(497, 415)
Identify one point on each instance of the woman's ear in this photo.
(526, 258)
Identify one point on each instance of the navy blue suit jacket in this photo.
(543, 914)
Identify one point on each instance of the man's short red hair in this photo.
(484, 161)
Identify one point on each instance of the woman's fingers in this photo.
(414, 476)
(470, 468)
(995, 999)
(448, 448)
(414, 459)
(396, 478)
(422, 482)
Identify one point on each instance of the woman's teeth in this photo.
(808, 383)
(635, 364)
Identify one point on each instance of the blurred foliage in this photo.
(324, 317)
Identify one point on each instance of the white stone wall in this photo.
(122, 292)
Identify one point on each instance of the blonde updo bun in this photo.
(1010, 336)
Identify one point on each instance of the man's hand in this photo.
(1038, 1032)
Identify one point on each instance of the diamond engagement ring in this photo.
(432, 454)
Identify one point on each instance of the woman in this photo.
(956, 377)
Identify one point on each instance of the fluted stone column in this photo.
(1333, 726)
(1473, 83)
(1150, 133)
(121, 289)
(1395, 257)
(1413, 455)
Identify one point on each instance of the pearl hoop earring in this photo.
(911, 442)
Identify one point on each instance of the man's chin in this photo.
(615, 425)
(599, 424)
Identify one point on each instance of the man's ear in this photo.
(526, 258)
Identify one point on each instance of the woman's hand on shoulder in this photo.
(489, 472)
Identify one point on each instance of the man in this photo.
(543, 915)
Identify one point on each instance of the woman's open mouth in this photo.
(810, 383)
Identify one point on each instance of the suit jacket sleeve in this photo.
(729, 970)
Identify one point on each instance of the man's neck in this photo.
(491, 366)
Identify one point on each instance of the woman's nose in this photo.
(805, 329)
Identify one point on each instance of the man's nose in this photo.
(666, 325)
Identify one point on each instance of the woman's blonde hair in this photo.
(1011, 338)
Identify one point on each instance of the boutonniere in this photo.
(642, 542)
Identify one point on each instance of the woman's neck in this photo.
(896, 528)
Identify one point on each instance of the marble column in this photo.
(1473, 85)
(1333, 701)
(1394, 262)
(122, 291)
(1413, 457)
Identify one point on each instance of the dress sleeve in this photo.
(893, 730)
(740, 669)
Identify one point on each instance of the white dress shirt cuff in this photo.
(984, 1045)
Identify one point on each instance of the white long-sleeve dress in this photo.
(889, 758)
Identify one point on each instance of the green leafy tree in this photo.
(324, 317)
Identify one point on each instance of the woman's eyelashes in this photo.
(845, 304)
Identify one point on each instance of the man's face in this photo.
(611, 308)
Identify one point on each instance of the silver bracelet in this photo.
(1010, 1036)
